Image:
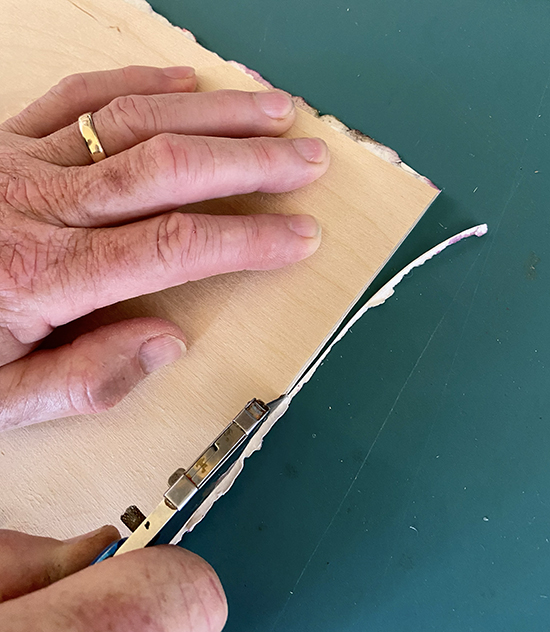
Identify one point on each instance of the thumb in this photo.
(29, 562)
(89, 375)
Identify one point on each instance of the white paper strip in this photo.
(378, 299)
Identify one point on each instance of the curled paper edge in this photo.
(383, 294)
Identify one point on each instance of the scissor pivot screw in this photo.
(132, 517)
(176, 476)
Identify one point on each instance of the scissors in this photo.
(190, 488)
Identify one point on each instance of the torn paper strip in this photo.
(378, 299)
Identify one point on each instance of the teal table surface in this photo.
(408, 487)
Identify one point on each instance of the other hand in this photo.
(47, 585)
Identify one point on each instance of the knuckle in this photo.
(261, 247)
(200, 163)
(122, 115)
(178, 161)
(189, 243)
(198, 245)
(163, 156)
(84, 391)
(89, 396)
(74, 87)
(226, 100)
(264, 157)
(167, 161)
(252, 244)
(87, 190)
(134, 113)
(92, 390)
(175, 234)
(201, 245)
(132, 74)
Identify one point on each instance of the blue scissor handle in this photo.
(109, 551)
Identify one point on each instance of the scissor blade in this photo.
(149, 529)
(195, 485)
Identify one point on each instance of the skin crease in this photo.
(76, 236)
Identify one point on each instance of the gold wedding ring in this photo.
(89, 134)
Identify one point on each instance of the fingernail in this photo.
(179, 72)
(159, 352)
(86, 536)
(304, 225)
(276, 105)
(312, 149)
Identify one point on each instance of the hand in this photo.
(76, 236)
(166, 588)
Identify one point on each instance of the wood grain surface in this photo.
(249, 333)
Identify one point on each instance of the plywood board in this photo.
(250, 334)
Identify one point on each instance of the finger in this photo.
(29, 562)
(90, 91)
(170, 170)
(11, 348)
(169, 250)
(161, 588)
(90, 375)
(129, 120)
